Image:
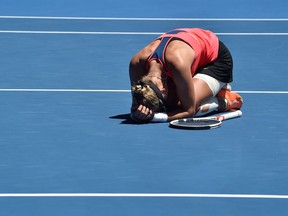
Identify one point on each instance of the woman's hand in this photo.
(142, 114)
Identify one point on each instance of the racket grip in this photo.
(230, 115)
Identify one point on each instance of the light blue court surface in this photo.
(67, 148)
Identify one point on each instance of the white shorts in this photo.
(214, 84)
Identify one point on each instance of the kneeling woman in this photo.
(183, 73)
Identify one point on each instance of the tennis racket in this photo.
(205, 122)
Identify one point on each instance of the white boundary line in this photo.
(263, 92)
(139, 33)
(79, 32)
(144, 18)
(63, 90)
(118, 91)
(143, 195)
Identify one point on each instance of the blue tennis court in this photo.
(67, 147)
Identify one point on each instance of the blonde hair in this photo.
(145, 95)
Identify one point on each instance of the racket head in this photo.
(195, 123)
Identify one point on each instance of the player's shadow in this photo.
(126, 119)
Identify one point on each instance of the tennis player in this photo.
(183, 73)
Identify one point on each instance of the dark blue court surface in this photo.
(67, 147)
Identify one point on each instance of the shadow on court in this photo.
(125, 117)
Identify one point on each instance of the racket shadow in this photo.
(189, 128)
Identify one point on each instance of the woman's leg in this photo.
(206, 88)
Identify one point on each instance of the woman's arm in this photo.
(179, 58)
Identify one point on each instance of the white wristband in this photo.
(160, 117)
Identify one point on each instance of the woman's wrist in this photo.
(159, 117)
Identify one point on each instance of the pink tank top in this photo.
(204, 43)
